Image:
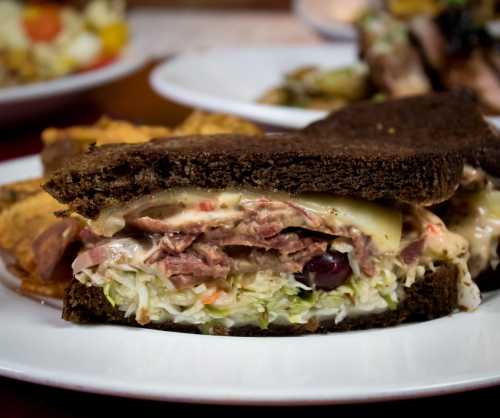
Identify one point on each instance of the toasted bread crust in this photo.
(61, 144)
(432, 297)
(111, 175)
(451, 121)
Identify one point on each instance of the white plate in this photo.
(231, 80)
(318, 14)
(450, 354)
(31, 99)
(322, 15)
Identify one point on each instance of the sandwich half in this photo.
(264, 235)
(452, 121)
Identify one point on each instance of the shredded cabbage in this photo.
(247, 299)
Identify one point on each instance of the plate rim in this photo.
(130, 60)
(184, 394)
(340, 31)
(240, 400)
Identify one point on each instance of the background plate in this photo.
(319, 16)
(454, 353)
(231, 80)
(31, 100)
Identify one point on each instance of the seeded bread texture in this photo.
(432, 297)
(112, 175)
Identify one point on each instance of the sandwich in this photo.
(38, 247)
(277, 234)
(451, 120)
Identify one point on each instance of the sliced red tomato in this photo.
(42, 23)
(206, 206)
(433, 229)
(99, 62)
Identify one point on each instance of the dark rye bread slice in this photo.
(55, 153)
(432, 297)
(111, 175)
(489, 157)
(450, 121)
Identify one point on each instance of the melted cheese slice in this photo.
(382, 224)
(481, 228)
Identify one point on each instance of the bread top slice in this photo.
(450, 121)
(112, 175)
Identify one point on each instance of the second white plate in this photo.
(230, 80)
(30, 100)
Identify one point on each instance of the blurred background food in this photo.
(406, 47)
(482, 10)
(42, 40)
(314, 88)
(351, 10)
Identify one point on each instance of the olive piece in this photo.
(326, 272)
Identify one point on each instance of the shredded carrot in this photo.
(206, 206)
(211, 298)
(433, 229)
(42, 23)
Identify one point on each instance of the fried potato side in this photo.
(201, 123)
(20, 224)
(14, 192)
(61, 144)
(110, 131)
(28, 210)
(106, 131)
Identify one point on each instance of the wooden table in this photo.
(19, 399)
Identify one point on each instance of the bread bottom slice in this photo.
(434, 296)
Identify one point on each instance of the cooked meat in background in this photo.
(452, 51)
(396, 68)
(460, 54)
